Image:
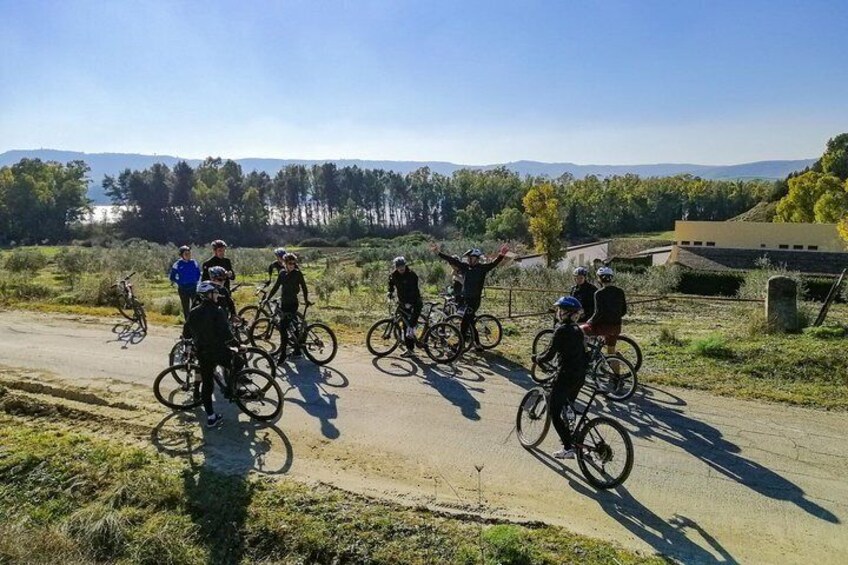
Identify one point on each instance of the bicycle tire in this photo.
(632, 352)
(251, 392)
(265, 335)
(258, 358)
(312, 344)
(456, 320)
(542, 341)
(249, 313)
(377, 332)
(618, 387)
(175, 356)
(437, 343)
(490, 338)
(533, 408)
(600, 449)
(125, 306)
(140, 315)
(178, 396)
(541, 374)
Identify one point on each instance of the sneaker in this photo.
(565, 453)
(214, 421)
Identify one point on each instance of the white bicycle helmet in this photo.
(605, 274)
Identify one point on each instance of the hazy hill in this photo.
(113, 163)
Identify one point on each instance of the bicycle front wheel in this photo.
(616, 378)
(258, 358)
(532, 420)
(443, 343)
(489, 331)
(627, 347)
(265, 335)
(319, 344)
(125, 306)
(258, 394)
(383, 338)
(140, 316)
(468, 339)
(604, 453)
(542, 341)
(175, 387)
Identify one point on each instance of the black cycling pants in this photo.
(225, 358)
(565, 390)
(413, 313)
(187, 294)
(287, 318)
(471, 307)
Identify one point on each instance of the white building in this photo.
(587, 255)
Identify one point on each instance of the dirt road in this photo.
(716, 480)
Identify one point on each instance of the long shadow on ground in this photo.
(312, 383)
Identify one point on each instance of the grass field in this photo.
(717, 346)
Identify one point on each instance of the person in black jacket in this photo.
(610, 308)
(405, 281)
(474, 273)
(208, 328)
(567, 346)
(290, 282)
(219, 249)
(218, 277)
(584, 291)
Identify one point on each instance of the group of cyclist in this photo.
(209, 310)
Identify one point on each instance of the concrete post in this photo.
(782, 304)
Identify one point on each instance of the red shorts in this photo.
(609, 332)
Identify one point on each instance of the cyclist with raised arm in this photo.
(185, 273)
(208, 328)
(290, 282)
(474, 273)
(567, 347)
(584, 291)
(278, 265)
(610, 308)
(218, 259)
(405, 281)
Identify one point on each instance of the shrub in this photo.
(755, 282)
(668, 336)
(168, 305)
(94, 290)
(343, 241)
(827, 332)
(709, 283)
(714, 346)
(25, 260)
(315, 242)
(17, 287)
(102, 532)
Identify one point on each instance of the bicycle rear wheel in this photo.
(443, 343)
(249, 314)
(627, 347)
(140, 315)
(124, 304)
(174, 387)
(258, 394)
(542, 373)
(542, 341)
(616, 378)
(319, 344)
(468, 340)
(258, 358)
(489, 331)
(604, 453)
(265, 335)
(383, 338)
(532, 420)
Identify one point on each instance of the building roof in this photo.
(653, 250)
(585, 245)
(723, 259)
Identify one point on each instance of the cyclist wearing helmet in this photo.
(290, 281)
(610, 307)
(207, 326)
(219, 249)
(406, 282)
(218, 277)
(568, 348)
(277, 266)
(584, 291)
(474, 273)
(185, 273)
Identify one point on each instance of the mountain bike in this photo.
(484, 331)
(613, 375)
(441, 341)
(316, 340)
(603, 447)
(183, 353)
(263, 307)
(128, 305)
(626, 346)
(254, 391)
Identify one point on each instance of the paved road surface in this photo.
(716, 480)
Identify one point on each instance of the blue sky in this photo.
(474, 82)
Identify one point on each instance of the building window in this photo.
(797, 247)
(711, 244)
(684, 243)
(698, 243)
(813, 247)
(783, 246)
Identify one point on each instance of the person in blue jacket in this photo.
(185, 273)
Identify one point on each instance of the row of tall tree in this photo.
(38, 201)
(217, 199)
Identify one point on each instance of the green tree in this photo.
(509, 224)
(834, 161)
(804, 192)
(543, 210)
(471, 220)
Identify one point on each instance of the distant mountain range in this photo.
(113, 163)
